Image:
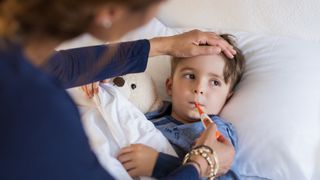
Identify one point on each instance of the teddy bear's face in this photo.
(138, 88)
(120, 81)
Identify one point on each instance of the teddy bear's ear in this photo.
(119, 81)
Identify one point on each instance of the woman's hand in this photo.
(192, 43)
(222, 147)
(138, 159)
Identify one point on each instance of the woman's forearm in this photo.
(79, 66)
(160, 46)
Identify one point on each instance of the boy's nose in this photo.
(199, 87)
(198, 91)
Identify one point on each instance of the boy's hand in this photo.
(93, 88)
(138, 159)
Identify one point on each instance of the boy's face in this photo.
(198, 79)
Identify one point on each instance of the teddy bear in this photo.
(140, 90)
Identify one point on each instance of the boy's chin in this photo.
(194, 116)
(188, 117)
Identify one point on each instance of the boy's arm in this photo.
(141, 160)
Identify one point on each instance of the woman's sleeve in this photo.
(79, 66)
(183, 172)
(170, 167)
(165, 165)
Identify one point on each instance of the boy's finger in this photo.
(125, 150)
(133, 172)
(86, 90)
(82, 88)
(90, 90)
(124, 158)
(95, 87)
(129, 165)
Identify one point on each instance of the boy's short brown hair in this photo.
(233, 68)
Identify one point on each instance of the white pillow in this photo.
(275, 108)
(286, 17)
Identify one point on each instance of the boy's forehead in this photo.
(203, 62)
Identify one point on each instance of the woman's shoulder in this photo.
(10, 54)
(8, 48)
(23, 84)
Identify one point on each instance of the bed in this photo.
(276, 106)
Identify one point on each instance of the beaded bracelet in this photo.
(205, 152)
(202, 145)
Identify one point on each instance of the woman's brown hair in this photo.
(63, 19)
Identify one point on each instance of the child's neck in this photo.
(183, 120)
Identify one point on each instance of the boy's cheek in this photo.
(193, 114)
(215, 108)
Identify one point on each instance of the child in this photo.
(207, 80)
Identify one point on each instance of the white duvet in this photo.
(112, 122)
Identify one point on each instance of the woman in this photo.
(41, 134)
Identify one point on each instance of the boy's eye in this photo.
(189, 76)
(215, 83)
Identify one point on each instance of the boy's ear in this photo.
(169, 86)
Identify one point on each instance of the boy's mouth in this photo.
(192, 103)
